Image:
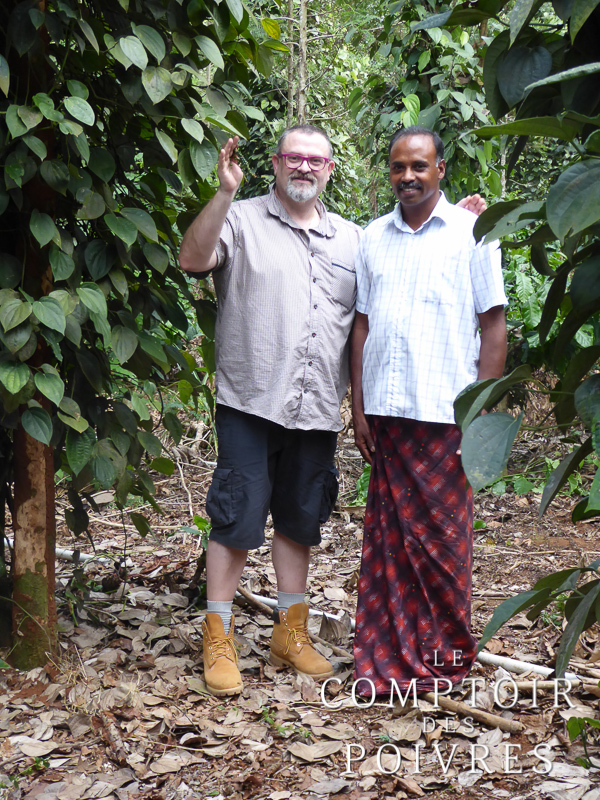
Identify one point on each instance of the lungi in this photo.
(414, 592)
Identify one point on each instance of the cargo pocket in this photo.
(220, 501)
(330, 493)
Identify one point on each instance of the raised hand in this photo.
(228, 170)
(474, 203)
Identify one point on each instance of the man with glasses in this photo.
(286, 288)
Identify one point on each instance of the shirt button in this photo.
(314, 334)
(312, 255)
(314, 280)
(306, 391)
(315, 305)
(310, 363)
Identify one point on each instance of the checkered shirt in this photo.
(285, 310)
(422, 291)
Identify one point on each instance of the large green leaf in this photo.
(587, 403)
(518, 17)
(11, 271)
(514, 220)
(92, 297)
(56, 175)
(38, 424)
(150, 442)
(163, 465)
(89, 34)
(102, 163)
(194, 128)
(157, 256)
(485, 394)
(505, 611)
(573, 631)
(157, 83)
(38, 147)
(92, 204)
(152, 41)
(14, 375)
(521, 67)
(104, 471)
(123, 228)
(80, 109)
(534, 126)
(50, 385)
(13, 312)
(204, 158)
(99, 258)
(554, 299)
(211, 51)
(49, 312)
(167, 144)
(561, 474)
(142, 221)
(134, 50)
(573, 202)
(236, 8)
(4, 76)
(567, 75)
(585, 285)
(272, 28)
(581, 11)
(486, 445)
(124, 343)
(43, 228)
(78, 447)
(173, 424)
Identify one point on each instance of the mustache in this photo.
(304, 175)
(409, 185)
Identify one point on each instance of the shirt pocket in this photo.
(343, 283)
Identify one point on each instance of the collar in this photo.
(442, 210)
(277, 209)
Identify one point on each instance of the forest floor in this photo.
(124, 712)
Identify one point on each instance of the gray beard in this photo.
(300, 194)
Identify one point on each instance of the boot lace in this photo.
(226, 647)
(297, 635)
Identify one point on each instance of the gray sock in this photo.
(223, 609)
(287, 599)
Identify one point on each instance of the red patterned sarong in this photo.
(414, 593)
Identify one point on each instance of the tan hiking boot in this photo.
(291, 645)
(221, 675)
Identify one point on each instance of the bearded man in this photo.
(286, 287)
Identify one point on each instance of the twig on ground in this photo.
(190, 502)
(493, 720)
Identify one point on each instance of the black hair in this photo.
(419, 130)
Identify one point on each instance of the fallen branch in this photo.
(550, 686)
(493, 720)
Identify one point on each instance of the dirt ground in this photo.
(124, 712)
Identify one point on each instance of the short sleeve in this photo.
(486, 277)
(226, 245)
(363, 280)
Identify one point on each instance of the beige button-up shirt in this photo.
(285, 309)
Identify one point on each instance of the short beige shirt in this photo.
(285, 309)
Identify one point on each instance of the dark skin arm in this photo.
(362, 433)
(492, 354)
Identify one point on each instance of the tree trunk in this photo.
(34, 525)
(290, 66)
(34, 606)
(302, 68)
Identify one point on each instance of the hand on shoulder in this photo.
(474, 203)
